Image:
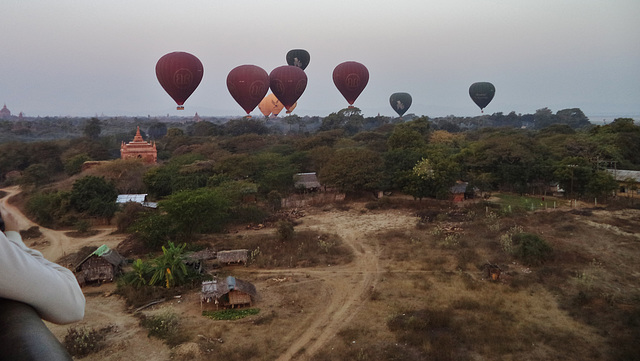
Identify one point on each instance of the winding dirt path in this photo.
(351, 284)
(58, 244)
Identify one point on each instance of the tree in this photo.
(601, 185)
(543, 118)
(157, 130)
(195, 211)
(412, 134)
(432, 177)
(94, 196)
(92, 129)
(36, 175)
(74, 164)
(353, 170)
(573, 117)
(241, 126)
(48, 209)
(349, 119)
(154, 229)
(292, 120)
(573, 175)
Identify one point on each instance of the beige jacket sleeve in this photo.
(26, 276)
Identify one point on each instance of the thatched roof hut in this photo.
(233, 256)
(307, 181)
(230, 292)
(102, 265)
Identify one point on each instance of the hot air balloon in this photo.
(270, 105)
(287, 83)
(350, 78)
(277, 111)
(481, 93)
(248, 85)
(400, 102)
(299, 58)
(179, 73)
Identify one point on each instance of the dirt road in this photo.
(351, 284)
(57, 243)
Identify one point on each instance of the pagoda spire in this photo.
(138, 137)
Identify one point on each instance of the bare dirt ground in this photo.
(340, 295)
(581, 305)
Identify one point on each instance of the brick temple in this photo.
(139, 149)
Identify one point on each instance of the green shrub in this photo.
(128, 215)
(83, 226)
(165, 326)
(285, 231)
(249, 214)
(531, 249)
(49, 208)
(232, 314)
(83, 341)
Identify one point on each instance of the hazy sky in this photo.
(83, 58)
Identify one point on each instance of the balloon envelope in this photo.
(248, 85)
(400, 102)
(291, 108)
(270, 105)
(179, 73)
(481, 93)
(350, 78)
(299, 58)
(287, 83)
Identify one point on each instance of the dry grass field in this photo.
(404, 280)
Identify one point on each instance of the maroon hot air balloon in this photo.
(248, 84)
(287, 83)
(179, 73)
(350, 78)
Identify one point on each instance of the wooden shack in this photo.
(236, 256)
(102, 265)
(197, 260)
(230, 292)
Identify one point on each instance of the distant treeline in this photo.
(27, 129)
(420, 156)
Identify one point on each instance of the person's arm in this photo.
(26, 276)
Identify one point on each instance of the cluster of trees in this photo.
(224, 163)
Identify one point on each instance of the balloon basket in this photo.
(180, 107)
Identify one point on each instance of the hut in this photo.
(233, 256)
(307, 182)
(102, 265)
(230, 292)
(196, 260)
(461, 191)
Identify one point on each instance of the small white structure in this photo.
(136, 198)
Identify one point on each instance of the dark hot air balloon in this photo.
(481, 93)
(299, 58)
(400, 102)
(287, 83)
(179, 73)
(248, 85)
(350, 78)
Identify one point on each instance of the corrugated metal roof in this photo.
(622, 175)
(137, 198)
(101, 250)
